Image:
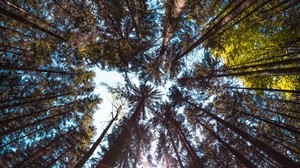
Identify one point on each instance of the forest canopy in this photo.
(218, 83)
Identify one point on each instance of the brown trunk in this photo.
(42, 150)
(172, 23)
(174, 147)
(15, 31)
(111, 156)
(32, 114)
(197, 162)
(33, 101)
(85, 158)
(266, 89)
(285, 162)
(35, 131)
(35, 70)
(294, 61)
(27, 22)
(238, 155)
(60, 156)
(7, 132)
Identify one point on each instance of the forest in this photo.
(218, 83)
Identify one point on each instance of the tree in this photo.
(98, 141)
(233, 67)
(144, 95)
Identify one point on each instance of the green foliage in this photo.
(258, 39)
(233, 66)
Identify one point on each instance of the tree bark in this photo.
(111, 156)
(27, 22)
(237, 154)
(7, 132)
(285, 162)
(85, 158)
(174, 147)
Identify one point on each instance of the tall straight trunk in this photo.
(174, 147)
(294, 61)
(285, 110)
(285, 162)
(265, 89)
(282, 142)
(60, 156)
(34, 157)
(244, 64)
(111, 156)
(172, 23)
(24, 98)
(236, 11)
(10, 131)
(15, 31)
(29, 15)
(40, 151)
(278, 5)
(87, 155)
(237, 154)
(12, 47)
(14, 98)
(49, 151)
(35, 70)
(134, 17)
(32, 114)
(35, 131)
(34, 100)
(282, 102)
(107, 17)
(190, 149)
(220, 162)
(279, 113)
(256, 9)
(9, 14)
(264, 72)
(289, 128)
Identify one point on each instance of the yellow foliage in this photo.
(241, 44)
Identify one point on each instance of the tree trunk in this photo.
(237, 154)
(264, 72)
(34, 100)
(244, 64)
(279, 125)
(2, 123)
(111, 156)
(172, 23)
(174, 147)
(190, 149)
(107, 17)
(7, 132)
(35, 70)
(30, 16)
(266, 89)
(42, 150)
(15, 31)
(17, 139)
(285, 162)
(85, 158)
(236, 11)
(27, 22)
(294, 61)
